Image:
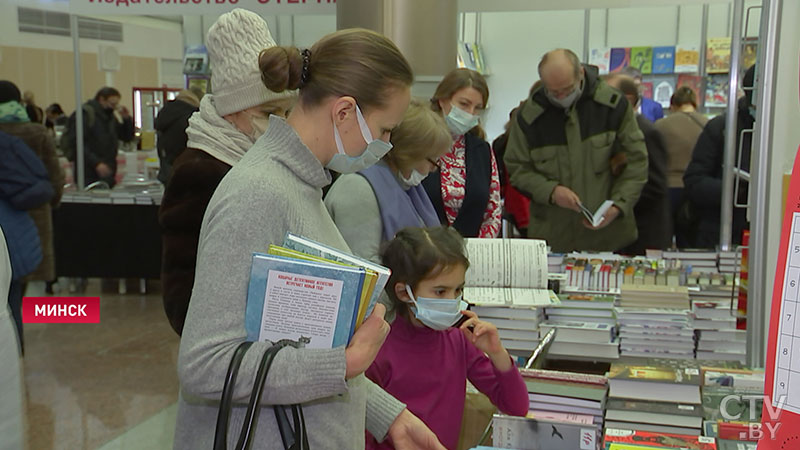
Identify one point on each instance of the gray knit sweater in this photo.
(275, 188)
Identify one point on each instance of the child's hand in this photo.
(484, 337)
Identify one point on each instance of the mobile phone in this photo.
(463, 318)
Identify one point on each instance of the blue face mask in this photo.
(376, 149)
(460, 121)
(437, 313)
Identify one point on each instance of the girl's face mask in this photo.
(437, 313)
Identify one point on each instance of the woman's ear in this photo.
(400, 292)
(342, 108)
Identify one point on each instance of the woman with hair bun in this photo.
(354, 88)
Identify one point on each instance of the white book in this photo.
(596, 218)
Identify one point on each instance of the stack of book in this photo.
(715, 322)
(566, 411)
(507, 285)
(655, 321)
(554, 394)
(730, 261)
(699, 260)
(616, 439)
(732, 400)
(656, 395)
(586, 327)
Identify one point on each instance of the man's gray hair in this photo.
(571, 56)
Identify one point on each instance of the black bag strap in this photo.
(224, 414)
(293, 436)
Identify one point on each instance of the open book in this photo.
(507, 272)
(596, 218)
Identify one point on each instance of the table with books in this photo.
(108, 234)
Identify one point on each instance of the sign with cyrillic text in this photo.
(61, 310)
(190, 7)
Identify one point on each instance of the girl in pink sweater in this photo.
(425, 361)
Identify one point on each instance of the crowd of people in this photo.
(254, 159)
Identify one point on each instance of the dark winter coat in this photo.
(195, 177)
(703, 178)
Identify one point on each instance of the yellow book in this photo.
(370, 277)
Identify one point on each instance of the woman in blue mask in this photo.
(425, 361)
(370, 207)
(466, 189)
(354, 88)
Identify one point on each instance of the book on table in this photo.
(523, 433)
(649, 440)
(666, 413)
(507, 274)
(666, 381)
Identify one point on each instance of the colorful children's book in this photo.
(642, 59)
(749, 54)
(600, 57)
(716, 95)
(695, 82)
(645, 440)
(663, 59)
(620, 59)
(687, 59)
(311, 247)
(647, 89)
(310, 302)
(663, 90)
(718, 55)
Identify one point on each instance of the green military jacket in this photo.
(549, 146)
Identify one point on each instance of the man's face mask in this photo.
(565, 101)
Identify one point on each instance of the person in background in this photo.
(426, 360)
(515, 205)
(649, 108)
(466, 189)
(370, 207)
(102, 132)
(680, 130)
(575, 142)
(170, 125)
(54, 116)
(12, 387)
(36, 137)
(652, 211)
(35, 113)
(354, 89)
(24, 185)
(229, 121)
(703, 177)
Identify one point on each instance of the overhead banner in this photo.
(200, 7)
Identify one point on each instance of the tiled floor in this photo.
(111, 385)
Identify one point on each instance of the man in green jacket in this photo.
(575, 142)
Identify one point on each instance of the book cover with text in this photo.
(664, 59)
(620, 59)
(687, 59)
(642, 59)
(718, 55)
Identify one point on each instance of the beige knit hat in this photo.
(234, 43)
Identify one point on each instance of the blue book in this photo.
(310, 247)
(664, 59)
(306, 301)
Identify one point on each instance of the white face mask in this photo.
(413, 180)
(460, 121)
(374, 151)
(258, 126)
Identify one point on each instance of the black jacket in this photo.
(101, 135)
(703, 178)
(652, 211)
(170, 126)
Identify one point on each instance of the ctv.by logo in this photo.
(754, 431)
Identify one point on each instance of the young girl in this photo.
(425, 362)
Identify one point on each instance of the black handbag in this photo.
(293, 432)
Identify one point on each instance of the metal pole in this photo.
(726, 209)
(586, 23)
(605, 41)
(76, 55)
(758, 285)
(701, 67)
